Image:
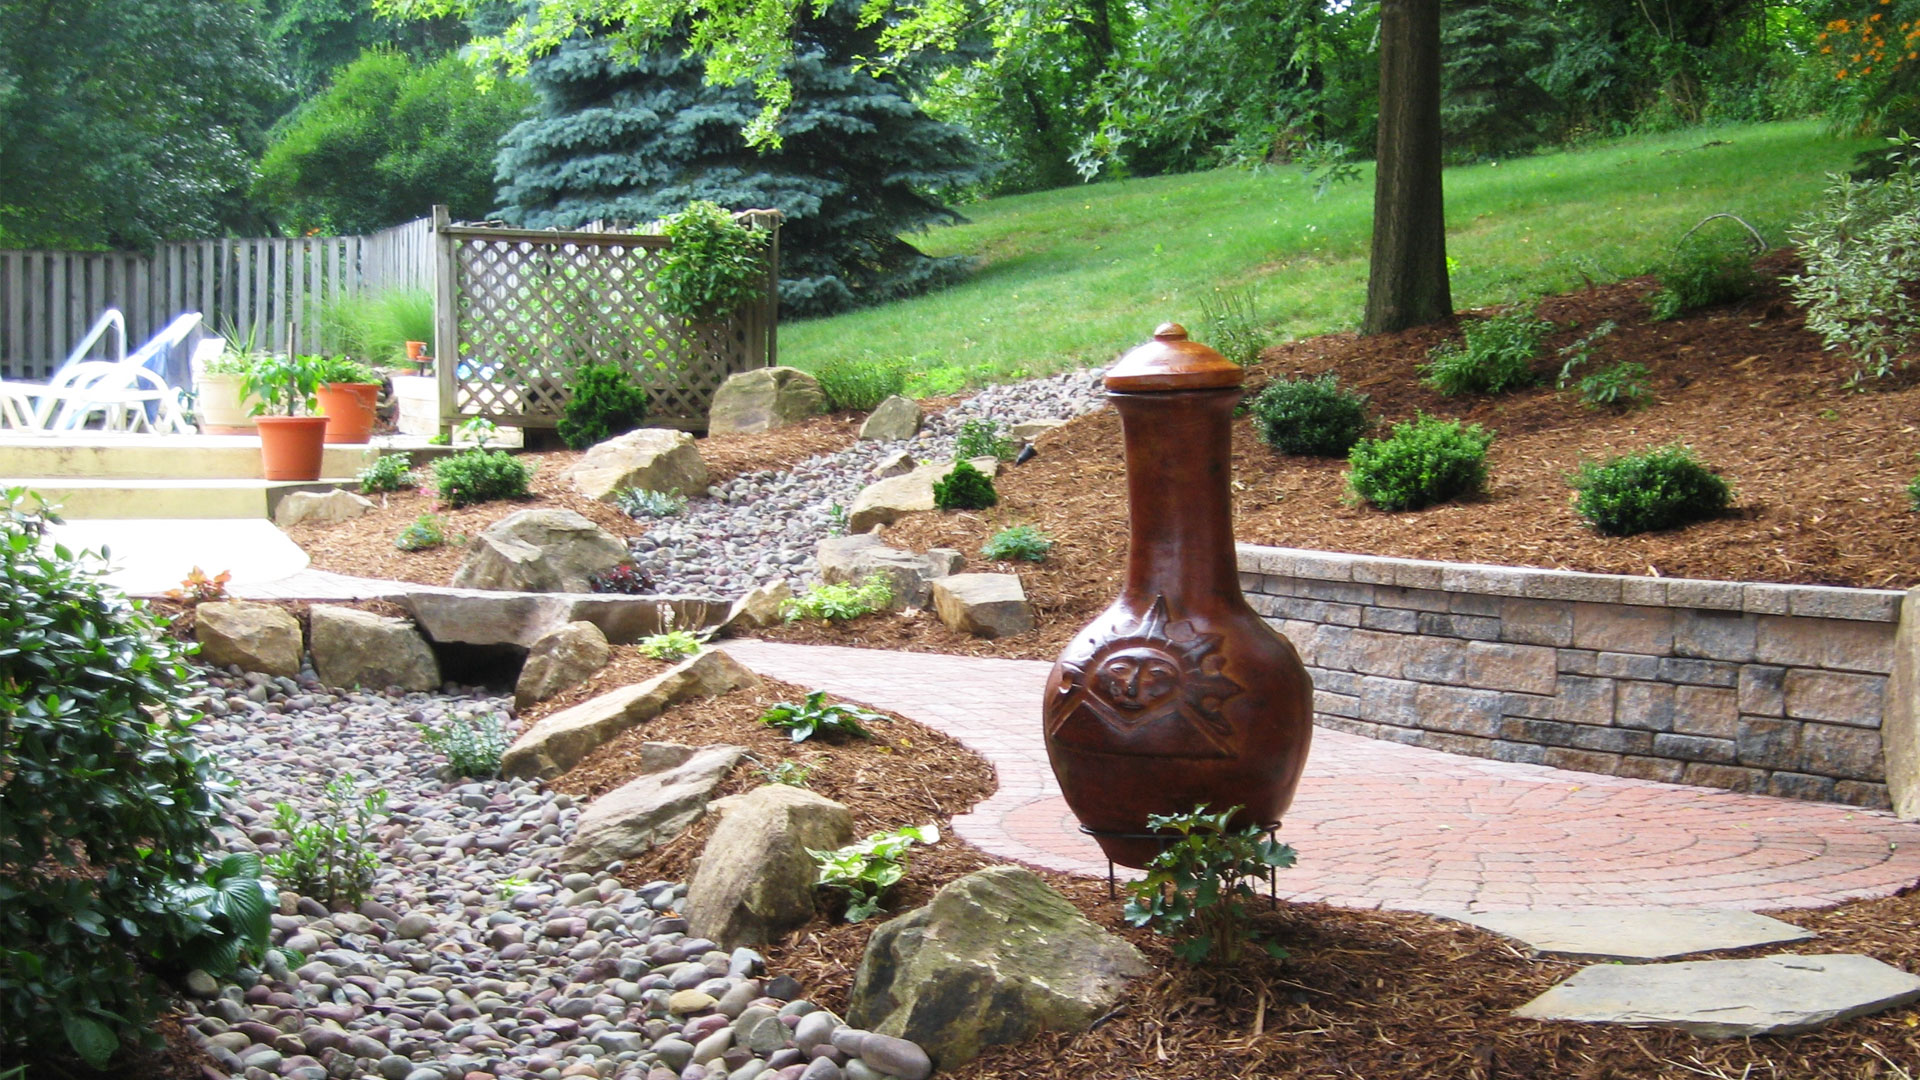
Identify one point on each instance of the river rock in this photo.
(540, 551)
(647, 810)
(762, 400)
(255, 637)
(358, 648)
(651, 459)
(754, 880)
(561, 661)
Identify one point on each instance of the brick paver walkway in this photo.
(1379, 824)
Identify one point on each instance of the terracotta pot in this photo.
(220, 407)
(1178, 694)
(349, 410)
(291, 447)
(415, 349)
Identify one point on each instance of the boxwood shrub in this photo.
(1657, 489)
(1313, 417)
(1424, 461)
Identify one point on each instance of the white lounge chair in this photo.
(128, 394)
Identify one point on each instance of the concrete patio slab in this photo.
(1633, 935)
(149, 557)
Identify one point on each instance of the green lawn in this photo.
(1071, 277)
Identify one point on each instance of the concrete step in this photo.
(98, 455)
(146, 558)
(218, 498)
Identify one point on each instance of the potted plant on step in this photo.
(348, 392)
(291, 446)
(218, 402)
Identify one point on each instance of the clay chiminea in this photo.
(1178, 694)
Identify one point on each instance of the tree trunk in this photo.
(1407, 278)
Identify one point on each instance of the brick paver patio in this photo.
(1379, 824)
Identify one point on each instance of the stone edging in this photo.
(1778, 689)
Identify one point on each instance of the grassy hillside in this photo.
(1071, 277)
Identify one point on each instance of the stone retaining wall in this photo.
(1779, 689)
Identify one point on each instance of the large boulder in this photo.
(996, 957)
(475, 617)
(892, 420)
(755, 880)
(321, 506)
(889, 500)
(652, 808)
(855, 558)
(652, 459)
(762, 400)
(256, 637)
(560, 741)
(358, 648)
(758, 609)
(561, 661)
(540, 551)
(984, 605)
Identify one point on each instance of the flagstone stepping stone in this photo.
(1729, 999)
(1633, 934)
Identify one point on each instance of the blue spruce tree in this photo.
(634, 138)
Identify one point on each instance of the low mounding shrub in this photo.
(860, 384)
(478, 476)
(389, 472)
(1497, 356)
(1017, 542)
(839, 601)
(1658, 489)
(602, 401)
(965, 488)
(1425, 461)
(107, 805)
(1701, 272)
(1313, 417)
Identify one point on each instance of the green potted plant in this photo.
(348, 392)
(291, 445)
(218, 401)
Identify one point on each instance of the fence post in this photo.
(446, 316)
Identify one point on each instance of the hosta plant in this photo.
(865, 870)
(815, 716)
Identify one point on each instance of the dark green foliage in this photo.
(1704, 271)
(1197, 888)
(1424, 461)
(388, 472)
(602, 401)
(231, 907)
(1491, 105)
(716, 266)
(1313, 417)
(1616, 386)
(1017, 542)
(107, 805)
(637, 138)
(478, 476)
(1497, 356)
(982, 438)
(860, 384)
(318, 37)
(1659, 489)
(965, 488)
(330, 859)
(390, 138)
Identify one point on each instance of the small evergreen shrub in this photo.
(1646, 492)
(1424, 461)
(1702, 272)
(1232, 326)
(1497, 355)
(626, 579)
(426, 532)
(602, 401)
(838, 602)
(640, 503)
(473, 745)
(982, 438)
(965, 488)
(478, 476)
(859, 385)
(330, 860)
(1312, 417)
(1196, 889)
(716, 264)
(388, 472)
(1017, 542)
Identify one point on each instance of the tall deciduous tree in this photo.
(1407, 273)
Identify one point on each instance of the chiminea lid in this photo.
(1171, 362)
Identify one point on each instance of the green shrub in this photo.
(473, 745)
(1617, 386)
(789, 772)
(232, 906)
(965, 488)
(860, 384)
(1232, 326)
(342, 369)
(1310, 416)
(329, 860)
(425, 533)
(641, 503)
(478, 476)
(1497, 355)
(1913, 493)
(1425, 461)
(1196, 889)
(106, 802)
(602, 401)
(1703, 271)
(672, 645)
(715, 265)
(1017, 542)
(982, 438)
(866, 869)
(1861, 264)
(815, 717)
(1658, 489)
(829, 603)
(388, 472)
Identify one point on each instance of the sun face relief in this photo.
(1150, 689)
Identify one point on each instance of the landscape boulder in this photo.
(540, 551)
(478, 617)
(984, 605)
(325, 507)
(647, 810)
(855, 558)
(755, 880)
(558, 742)
(759, 608)
(898, 463)
(887, 501)
(996, 957)
(892, 420)
(358, 648)
(1033, 429)
(256, 637)
(651, 459)
(764, 399)
(561, 661)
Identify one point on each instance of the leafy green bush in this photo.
(329, 860)
(1310, 416)
(641, 503)
(388, 472)
(860, 384)
(829, 603)
(1197, 887)
(981, 438)
(1861, 264)
(815, 717)
(1497, 356)
(473, 745)
(1017, 542)
(1232, 326)
(1424, 461)
(478, 476)
(965, 488)
(1658, 489)
(866, 869)
(1618, 386)
(789, 772)
(342, 369)
(672, 645)
(232, 906)
(106, 803)
(715, 265)
(1703, 271)
(602, 401)
(426, 532)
